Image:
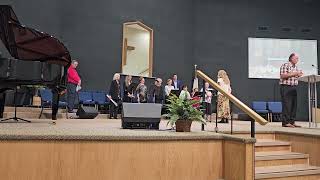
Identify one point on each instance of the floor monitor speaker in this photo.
(141, 115)
(87, 112)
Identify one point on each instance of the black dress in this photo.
(126, 90)
(115, 95)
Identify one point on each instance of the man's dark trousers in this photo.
(71, 95)
(289, 103)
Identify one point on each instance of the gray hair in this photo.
(115, 76)
(74, 61)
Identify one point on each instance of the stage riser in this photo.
(257, 135)
(281, 162)
(272, 148)
(238, 159)
(304, 144)
(310, 177)
(124, 160)
(286, 157)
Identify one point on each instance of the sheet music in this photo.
(78, 88)
(110, 98)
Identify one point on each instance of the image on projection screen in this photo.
(266, 55)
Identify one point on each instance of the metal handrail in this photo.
(255, 116)
(233, 99)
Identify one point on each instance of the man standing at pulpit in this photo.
(289, 75)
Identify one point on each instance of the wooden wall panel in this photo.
(238, 161)
(114, 160)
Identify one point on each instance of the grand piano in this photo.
(37, 58)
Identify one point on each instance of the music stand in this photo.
(15, 111)
(175, 92)
(198, 94)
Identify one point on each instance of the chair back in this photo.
(99, 97)
(275, 107)
(46, 95)
(259, 105)
(85, 96)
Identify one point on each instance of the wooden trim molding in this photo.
(125, 45)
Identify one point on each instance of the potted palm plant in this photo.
(181, 113)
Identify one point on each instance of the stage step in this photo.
(275, 161)
(288, 172)
(271, 145)
(276, 158)
(258, 136)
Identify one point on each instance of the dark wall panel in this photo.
(223, 27)
(94, 35)
(92, 31)
(210, 33)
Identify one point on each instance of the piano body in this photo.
(37, 57)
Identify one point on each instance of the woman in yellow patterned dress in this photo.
(223, 101)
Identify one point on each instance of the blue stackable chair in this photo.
(260, 107)
(275, 110)
(46, 97)
(46, 101)
(99, 98)
(85, 98)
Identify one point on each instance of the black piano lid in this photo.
(28, 44)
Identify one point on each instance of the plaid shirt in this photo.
(288, 68)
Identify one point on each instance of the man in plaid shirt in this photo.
(289, 75)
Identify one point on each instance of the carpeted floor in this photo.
(110, 129)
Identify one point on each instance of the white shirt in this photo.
(184, 95)
(208, 97)
(224, 86)
(175, 83)
(209, 89)
(168, 89)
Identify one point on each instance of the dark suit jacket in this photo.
(114, 90)
(179, 83)
(156, 94)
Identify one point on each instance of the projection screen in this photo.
(266, 55)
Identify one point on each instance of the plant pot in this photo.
(183, 125)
